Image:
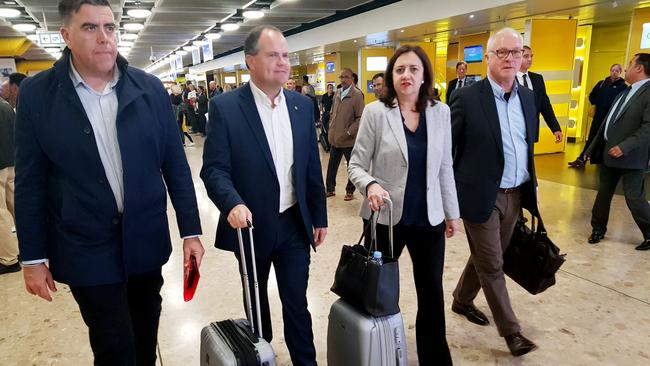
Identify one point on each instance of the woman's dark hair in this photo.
(202, 88)
(425, 95)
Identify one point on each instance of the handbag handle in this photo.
(372, 225)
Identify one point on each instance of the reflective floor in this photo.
(598, 313)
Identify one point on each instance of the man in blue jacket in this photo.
(261, 164)
(97, 150)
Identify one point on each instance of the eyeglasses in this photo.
(503, 53)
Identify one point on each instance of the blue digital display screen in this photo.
(329, 67)
(473, 53)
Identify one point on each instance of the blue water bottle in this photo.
(376, 258)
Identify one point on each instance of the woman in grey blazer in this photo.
(403, 151)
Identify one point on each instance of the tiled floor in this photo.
(597, 314)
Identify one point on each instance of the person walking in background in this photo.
(201, 109)
(344, 123)
(601, 98)
(459, 82)
(378, 85)
(8, 243)
(403, 152)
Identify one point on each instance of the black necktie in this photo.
(460, 84)
(525, 77)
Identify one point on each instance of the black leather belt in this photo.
(509, 190)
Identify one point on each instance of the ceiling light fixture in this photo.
(189, 48)
(229, 27)
(471, 16)
(125, 44)
(199, 43)
(24, 27)
(138, 13)
(401, 30)
(253, 14)
(33, 37)
(133, 26)
(213, 36)
(9, 13)
(52, 49)
(56, 55)
(123, 50)
(614, 4)
(129, 37)
(181, 53)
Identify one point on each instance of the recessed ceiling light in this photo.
(9, 13)
(24, 27)
(181, 53)
(52, 49)
(213, 36)
(199, 43)
(355, 41)
(189, 48)
(125, 44)
(133, 26)
(123, 50)
(139, 13)
(253, 14)
(10, 3)
(129, 37)
(401, 30)
(56, 55)
(230, 27)
(471, 16)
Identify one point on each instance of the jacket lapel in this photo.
(529, 115)
(127, 91)
(249, 108)
(62, 71)
(396, 125)
(631, 101)
(490, 111)
(294, 118)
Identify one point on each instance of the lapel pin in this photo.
(295, 107)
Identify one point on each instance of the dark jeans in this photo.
(290, 260)
(336, 154)
(426, 245)
(635, 197)
(122, 319)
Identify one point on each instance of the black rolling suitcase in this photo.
(235, 342)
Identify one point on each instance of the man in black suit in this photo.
(459, 82)
(493, 124)
(535, 82)
(622, 147)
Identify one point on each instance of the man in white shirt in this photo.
(460, 81)
(261, 165)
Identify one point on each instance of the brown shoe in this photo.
(519, 345)
(348, 197)
(330, 194)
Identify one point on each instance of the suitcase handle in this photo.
(247, 291)
(373, 229)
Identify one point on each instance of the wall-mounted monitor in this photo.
(329, 67)
(230, 80)
(376, 63)
(473, 53)
(245, 78)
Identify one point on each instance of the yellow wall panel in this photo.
(27, 67)
(15, 46)
(557, 86)
(555, 40)
(474, 68)
(366, 76)
(640, 17)
(333, 77)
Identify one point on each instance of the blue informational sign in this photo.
(329, 67)
(473, 54)
(369, 87)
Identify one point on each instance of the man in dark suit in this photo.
(535, 82)
(261, 164)
(622, 147)
(97, 151)
(460, 80)
(493, 123)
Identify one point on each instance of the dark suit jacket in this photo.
(630, 131)
(452, 86)
(65, 208)
(7, 120)
(543, 104)
(238, 167)
(478, 149)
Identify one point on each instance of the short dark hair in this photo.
(460, 63)
(305, 78)
(378, 75)
(250, 43)
(527, 48)
(643, 59)
(69, 7)
(202, 88)
(425, 95)
(619, 66)
(355, 77)
(16, 78)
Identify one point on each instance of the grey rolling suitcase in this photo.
(355, 338)
(235, 342)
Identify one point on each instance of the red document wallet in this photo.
(191, 281)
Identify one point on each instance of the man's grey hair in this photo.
(501, 33)
(250, 44)
(68, 7)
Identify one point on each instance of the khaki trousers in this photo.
(484, 269)
(8, 241)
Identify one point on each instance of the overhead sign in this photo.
(207, 51)
(50, 39)
(645, 36)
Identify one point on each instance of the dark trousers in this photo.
(122, 319)
(426, 245)
(290, 260)
(635, 197)
(487, 243)
(336, 153)
(201, 121)
(593, 131)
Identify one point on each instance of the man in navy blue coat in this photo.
(261, 164)
(97, 150)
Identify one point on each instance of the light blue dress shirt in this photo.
(513, 135)
(633, 89)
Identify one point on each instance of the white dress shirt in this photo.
(520, 79)
(461, 83)
(277, 127)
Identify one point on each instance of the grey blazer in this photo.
(380, 154)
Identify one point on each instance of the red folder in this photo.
(191, 280)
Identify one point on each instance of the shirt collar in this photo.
(262, 98)
(77, 79)
(520, 74)
(639, 84)
(498, 91)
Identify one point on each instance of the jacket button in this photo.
(101, 180)
(87, 130)
(115, 220)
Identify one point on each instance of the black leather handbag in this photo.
(370, 287)
(532, 259)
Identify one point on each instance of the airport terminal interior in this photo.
(597, 313)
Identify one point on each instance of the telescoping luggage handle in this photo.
(247, 290)
(373, 230)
